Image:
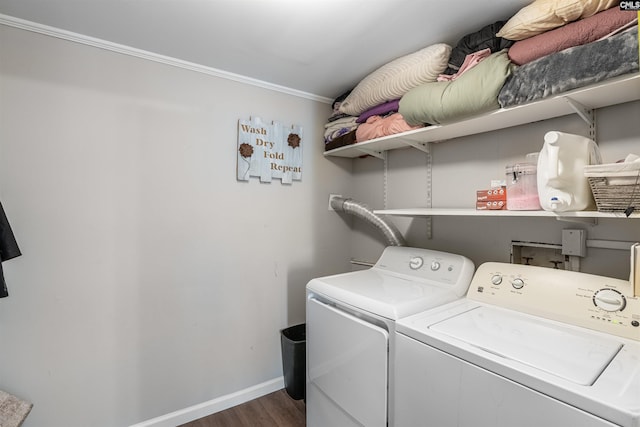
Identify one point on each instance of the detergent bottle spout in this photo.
(558, 204)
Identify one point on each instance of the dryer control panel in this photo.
(438, 268)
(595, 302)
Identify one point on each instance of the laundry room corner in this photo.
(151, 279)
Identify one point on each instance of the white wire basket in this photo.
(615, 186)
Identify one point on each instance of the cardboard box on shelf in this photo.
(491, 205)
(497, 194)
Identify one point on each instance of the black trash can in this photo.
(294, 360)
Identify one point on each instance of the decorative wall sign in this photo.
(269, 150)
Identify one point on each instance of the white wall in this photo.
(464, 165)
(151, 279)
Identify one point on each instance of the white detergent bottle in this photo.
(562, 185)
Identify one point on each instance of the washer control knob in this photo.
(609, 300)
(416, 262)
(496, 279)
(517, 283)
(435, 265)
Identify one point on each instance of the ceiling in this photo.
(320, 47)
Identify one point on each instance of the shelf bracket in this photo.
(586, 114)
(588, 221)
(378, 154)
(422, 146)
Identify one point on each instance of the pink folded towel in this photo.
(377, 126)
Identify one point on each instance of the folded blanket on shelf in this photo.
(576, 33)
(484, 38)
(341, 141)
(339, 127)
(470, 61)
(380, 110)
(572, 68)
(474, 92)
(378, 126)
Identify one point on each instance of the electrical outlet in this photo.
(332, 196)
(574, 242)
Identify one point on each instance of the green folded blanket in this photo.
(472, 93)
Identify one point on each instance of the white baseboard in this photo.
(215, 405)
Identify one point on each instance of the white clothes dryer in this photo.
(351, 330)
(527, 347)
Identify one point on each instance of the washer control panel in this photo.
(595, 302)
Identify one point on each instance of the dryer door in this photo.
(346, 369)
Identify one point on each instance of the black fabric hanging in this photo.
(8, 248)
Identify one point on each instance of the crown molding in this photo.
(22, 24)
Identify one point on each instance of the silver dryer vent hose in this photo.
(360, 210)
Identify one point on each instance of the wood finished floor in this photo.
(276, 409)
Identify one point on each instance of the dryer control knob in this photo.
(609, 300)
(435, 265)
(416, 262)
(496, 279)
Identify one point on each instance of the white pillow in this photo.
(396, 78)
(545, 15)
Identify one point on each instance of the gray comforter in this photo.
(572, 68)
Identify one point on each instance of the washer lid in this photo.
(380, 293)
(570, 353)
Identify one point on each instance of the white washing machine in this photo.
(528, 346)
(351, 330)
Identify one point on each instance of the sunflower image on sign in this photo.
(269, 150)
(294, 140)
(246, 150)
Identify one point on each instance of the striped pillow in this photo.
(396, 78)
